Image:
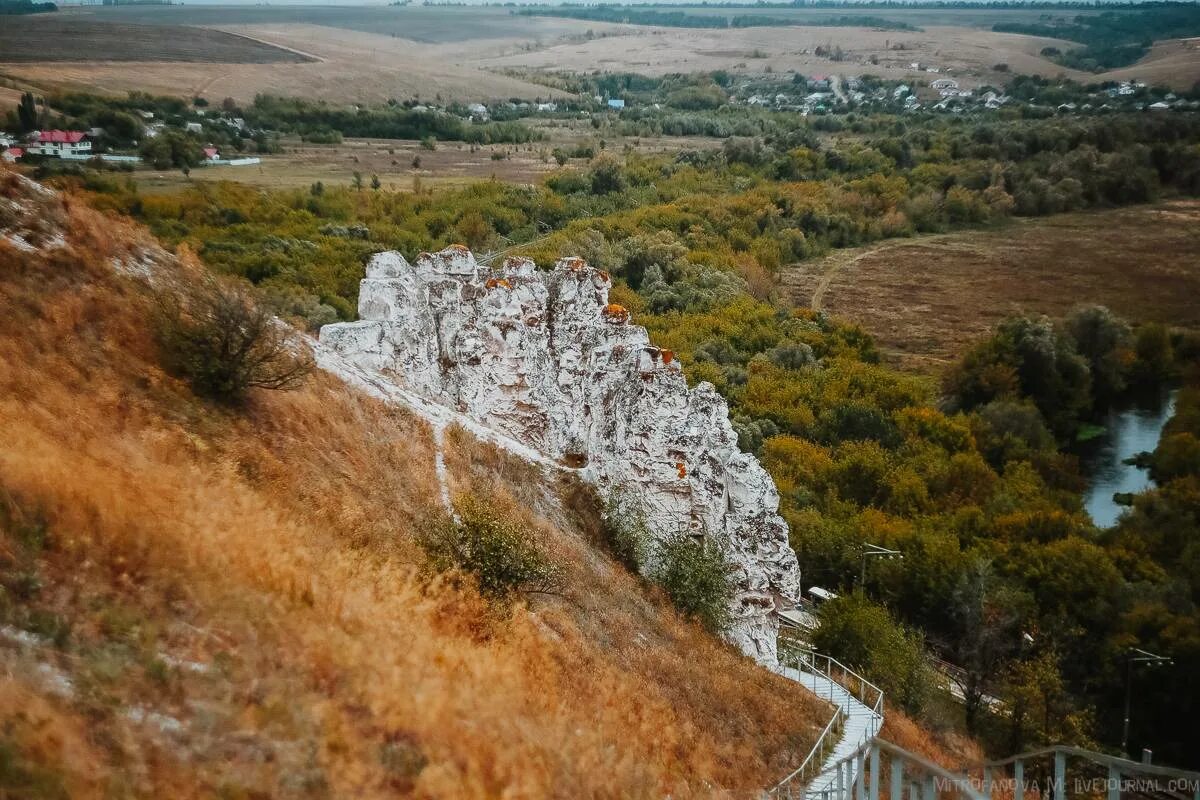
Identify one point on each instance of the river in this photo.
(1127, 432)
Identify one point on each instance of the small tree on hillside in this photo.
(225, 344)
(27, 112)
(987, 613)
(864, 635)
(696, 576)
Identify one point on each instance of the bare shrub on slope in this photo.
(225, 343)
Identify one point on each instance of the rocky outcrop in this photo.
(544, 358)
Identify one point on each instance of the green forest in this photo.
(969, 475)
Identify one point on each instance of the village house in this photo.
(944, 83)
(211, 153)
(10, 155)
(616, 103)
(60, 143)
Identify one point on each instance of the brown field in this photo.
(451, 164)
(969, 52)
(925, 298)
(52, 38)
(1171, 62)
(348, 66)
(9, 98)
(374, 54)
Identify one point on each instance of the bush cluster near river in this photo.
(977, 490)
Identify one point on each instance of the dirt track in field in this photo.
(926, 298)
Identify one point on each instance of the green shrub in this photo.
(625, 532)
(498, 552)
(866, 637)
(696, 576)
(223, 343)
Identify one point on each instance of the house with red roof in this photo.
(12, 154)
(211, 153)
(60, 143)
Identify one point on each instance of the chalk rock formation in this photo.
(545, 359)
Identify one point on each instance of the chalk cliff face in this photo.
(544, 358)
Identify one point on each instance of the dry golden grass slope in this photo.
(199, 602)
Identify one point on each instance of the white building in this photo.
(60, 143)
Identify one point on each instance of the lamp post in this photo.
(1136, 656)
(873, 550)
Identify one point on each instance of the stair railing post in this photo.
(1060, 775)
(929, 789)
(1114, 783)
(987, 782)
(873, 794)
(840, 777)
(1018, 780)
(896, 789)
(860, 785)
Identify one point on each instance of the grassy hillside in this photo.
(200, 602)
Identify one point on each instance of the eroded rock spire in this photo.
(545, 358)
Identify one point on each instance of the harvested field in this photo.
(969, 52)
(48, 37)
(1171, 62)
(9, 98)
(426, 24)
(372, 54)
(926, 298)
(350, 67)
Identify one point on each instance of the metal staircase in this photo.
(850, 762)
(857, 718)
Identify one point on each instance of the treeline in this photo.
(13, 7)
(313, 119)
(844, 21)
(1114, 38)
(681, 19)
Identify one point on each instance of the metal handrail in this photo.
(866, 756)
(1124, 764)
(818, 747)
(875, 704)
(807, 659)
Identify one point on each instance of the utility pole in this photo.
(1136, 656)
(873, 550)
